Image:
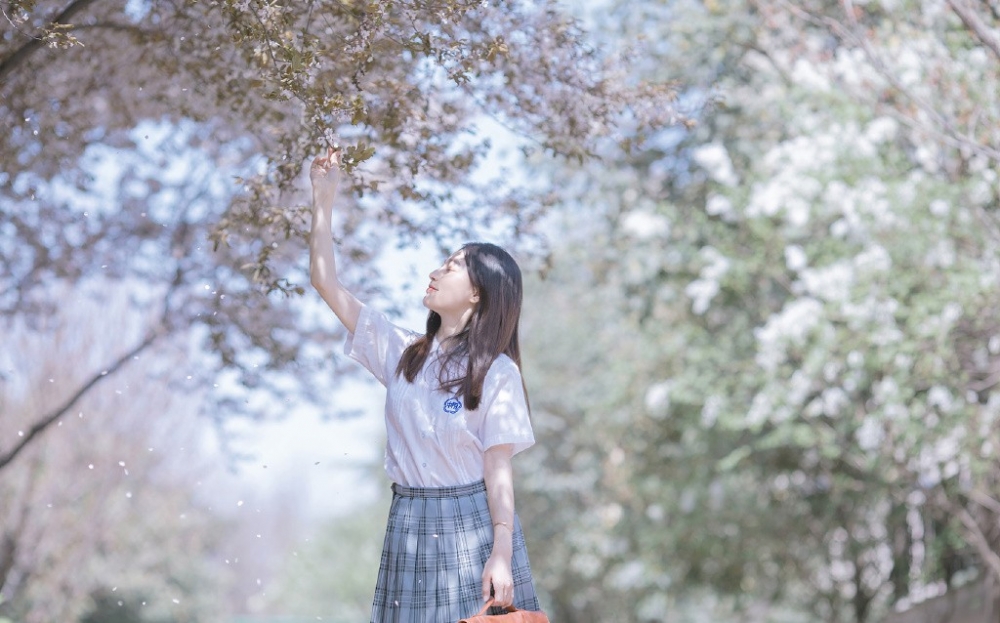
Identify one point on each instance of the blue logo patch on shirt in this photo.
(452, 405)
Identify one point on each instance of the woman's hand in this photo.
(325, 177)
(497, 573)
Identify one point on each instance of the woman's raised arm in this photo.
(325, 177)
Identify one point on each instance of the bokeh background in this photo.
(761, 339)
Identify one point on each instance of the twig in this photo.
(59, 412)
(10, 63)
(973, 23)
(982, 546)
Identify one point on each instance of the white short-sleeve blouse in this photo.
(433, 440)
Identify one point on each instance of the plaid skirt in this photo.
(436, 545)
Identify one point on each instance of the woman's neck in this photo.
(452, 326)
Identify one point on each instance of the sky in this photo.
(326, 462)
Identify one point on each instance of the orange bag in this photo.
(513, 616)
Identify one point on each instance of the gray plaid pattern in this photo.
(436, 545)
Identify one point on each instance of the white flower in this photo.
(791, 326)
(719, 205)
(760, 410)
(832, 283)
(628, 575)
(714, 158)
(658, 399)
(940, 397)
(951, 313)
(646, 225)
(870, 434)
(940, 208)
(834, 400)
(806, 75)
(701, 291)
(798, 388)
(874, 259)
(942, 254)
(795, 258)
(881, 130)
(710, 412)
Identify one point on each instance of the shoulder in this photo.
(374, 319)
(503, 369)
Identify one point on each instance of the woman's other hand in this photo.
(497, 574)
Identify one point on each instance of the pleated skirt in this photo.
(436, 544)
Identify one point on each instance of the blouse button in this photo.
(424, 464)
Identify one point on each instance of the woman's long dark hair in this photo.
(492, 330)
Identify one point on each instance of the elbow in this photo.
(324, 285)
(319, 285)
(316, 279)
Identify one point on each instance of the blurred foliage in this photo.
(771, 370)
(100, 515)
(402, 86)
(331, 574)
(162, 142)
(156, 147)
(762, 365)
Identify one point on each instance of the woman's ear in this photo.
(475, 296)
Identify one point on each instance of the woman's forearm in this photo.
(322, 263)
(499, 478)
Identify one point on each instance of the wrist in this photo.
(502, 539)
(323, 204)
(503, 548)
(325, 195)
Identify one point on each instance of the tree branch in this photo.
(11, 63)
(990, 557)
(851, 33)
(53, 417)
(986, 501)
(976, 25)
(8, 549)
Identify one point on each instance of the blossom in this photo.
(714, 158)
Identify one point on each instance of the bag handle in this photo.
(489, 603)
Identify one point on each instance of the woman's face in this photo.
(450, 292)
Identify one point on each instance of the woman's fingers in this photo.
(329, 161)
(320, 162)
(503, 594)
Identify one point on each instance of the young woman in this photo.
(455, 414)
